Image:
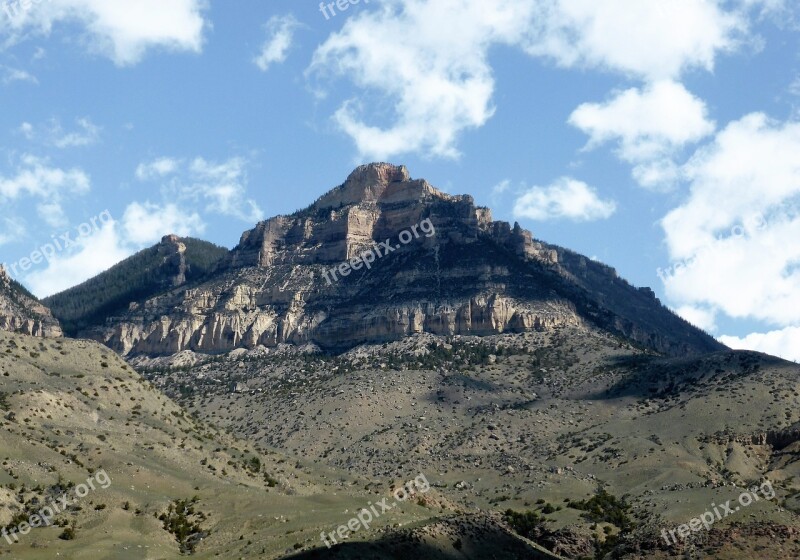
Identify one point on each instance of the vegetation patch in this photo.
(183, 521)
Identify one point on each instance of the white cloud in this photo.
(705, 319)
(566, 198)
(784, 343)
(222, 185)
(644, 121)
(160, 167)
(423, 92)
(499, 189)
(148, 223)
(26, 129)
(91, 255)
(86, 134)
(650, 39)
(280, 30)
(53, 134)
(735, 242)
(36, 178)
(650, 126)
(11, 75)
(118, 29)
(437, 78)
(52, 213)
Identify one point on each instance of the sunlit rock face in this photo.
(447, 269)
(21, 313)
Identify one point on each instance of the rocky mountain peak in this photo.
(376, 202)
(463, 273)
(378, 183)
(170, 239)
(378, 174)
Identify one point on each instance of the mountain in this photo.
(21, 312)
(555, 410)
(432, 263)
(173, 262)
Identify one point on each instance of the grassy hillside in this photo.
(592, 443)
(71, 412)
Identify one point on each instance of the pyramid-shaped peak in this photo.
(373, 174)
(378, 183)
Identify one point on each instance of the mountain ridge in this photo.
(474, 276)
(172, 262)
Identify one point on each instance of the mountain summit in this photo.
(437, 263)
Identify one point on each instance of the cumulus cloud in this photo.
(735, 242)
(649, 125)
(222, 185)
(649, 39)
(438, 80)
(147, 223)
(784, 343)
(566, 198)
(118, 29)
(35, 177)
(280, 33)
(160, 167)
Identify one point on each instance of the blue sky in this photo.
(662, 138)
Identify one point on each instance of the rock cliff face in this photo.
(447, 268)
(21, 313)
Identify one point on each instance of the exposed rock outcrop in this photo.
(456, 271)
(20, 312)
